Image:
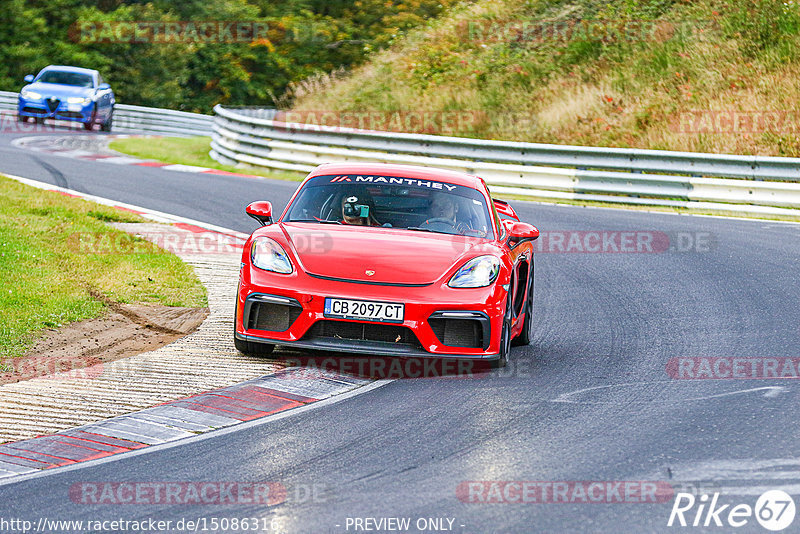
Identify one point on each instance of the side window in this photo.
(501, 229)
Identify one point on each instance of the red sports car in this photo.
(388, 260)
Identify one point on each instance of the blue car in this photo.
(68, 94)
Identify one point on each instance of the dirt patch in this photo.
(124, 331)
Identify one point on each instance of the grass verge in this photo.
(48, 280)
(189, 151)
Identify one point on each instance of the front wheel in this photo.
(505, 345)
(106, 126)
(88, 125)
(526, 336)
(253, 349)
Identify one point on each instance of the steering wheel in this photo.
(440, 223)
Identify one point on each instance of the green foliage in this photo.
(764, 25)
(303, 38)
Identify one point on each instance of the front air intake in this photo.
(275, 314)
(461, 329)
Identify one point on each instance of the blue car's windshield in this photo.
(392, 202)
(66, 78)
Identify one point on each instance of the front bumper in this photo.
(439, 321)
(47, 108)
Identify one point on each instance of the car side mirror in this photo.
(103, 86)
(28, 78)
(260, 211)
(520, 232)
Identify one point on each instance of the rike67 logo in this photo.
(774, 510)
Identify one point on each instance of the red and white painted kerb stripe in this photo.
(49, 145)
(171, 421)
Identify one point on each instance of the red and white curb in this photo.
(180, 419)
(95, 148)
(173, 421)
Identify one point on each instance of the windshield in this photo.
(66, 78)
(392, 202)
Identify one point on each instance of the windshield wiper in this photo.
(419, 229)
(320, 221)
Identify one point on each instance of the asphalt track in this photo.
(589, 400)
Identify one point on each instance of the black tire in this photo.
(39, 120)
(505, 345)
(526, 336)
(253, 349)
(20, 118)
(89, 125)
(106, 126)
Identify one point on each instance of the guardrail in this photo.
(647, 177)
(139, 119)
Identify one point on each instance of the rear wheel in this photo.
(253, 349)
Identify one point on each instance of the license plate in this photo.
(364, 310)
(74, 107)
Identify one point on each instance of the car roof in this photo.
(401, 171)
(68, 68)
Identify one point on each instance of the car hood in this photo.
(59, 91)
(391, 255)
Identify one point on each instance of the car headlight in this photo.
(267, 254)
(33, 95)
(78, 100)
(477, 272)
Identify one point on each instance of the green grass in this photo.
(48, 277)
(189, 151)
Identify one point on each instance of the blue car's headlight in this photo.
(477, 272)
(30, 95)
(267, 254)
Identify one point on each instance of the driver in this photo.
(444, 210)
(444, 206)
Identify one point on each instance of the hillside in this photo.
(705, 76)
